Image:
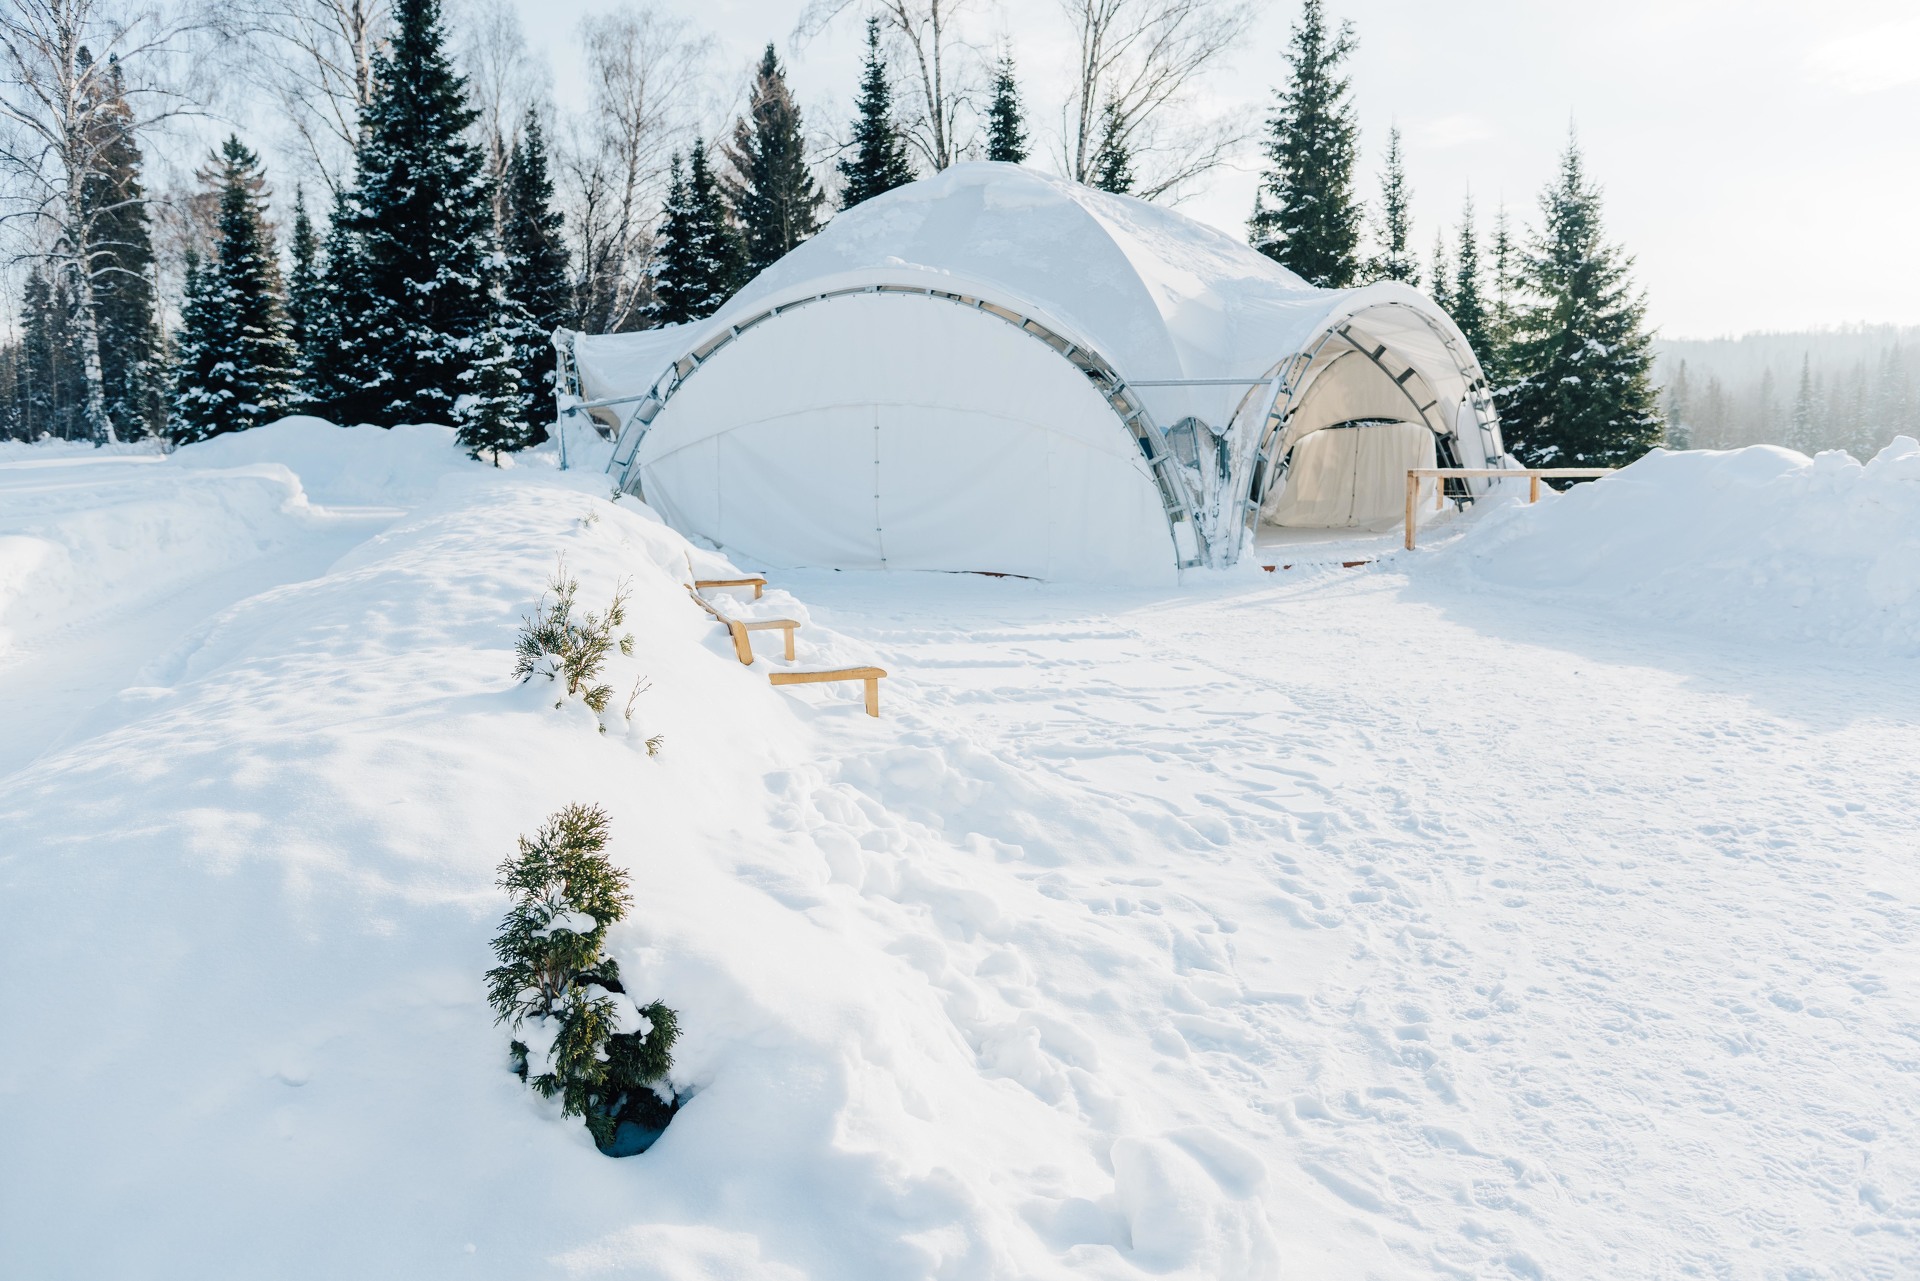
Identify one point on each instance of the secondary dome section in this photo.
(889, 429)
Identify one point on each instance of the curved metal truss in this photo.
(1292, 377)
(1176, 500)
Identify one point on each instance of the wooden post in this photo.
(1439, 494)
(1533, 487)
(1413, 498)
(873, 695)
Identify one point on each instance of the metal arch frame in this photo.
(1290, 375)
(1176, 502)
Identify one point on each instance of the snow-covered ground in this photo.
(1444, 916)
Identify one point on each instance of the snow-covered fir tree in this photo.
(1580, 389)
(304, 302)
(342, 379)
(1395, 261)
(419, 221)
(490, 415)
(237, 364)
(700, 259)
(1305, 215)
(876, 161)
(538, 285)
(120, 260)
(1006, 119)
(1679, 410)
(576, 1033)
(772, 189)
(1505, 291)
(1113, 163)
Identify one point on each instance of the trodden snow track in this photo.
(1513, 940)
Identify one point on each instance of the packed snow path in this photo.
(1329, 924)
(1516, 941)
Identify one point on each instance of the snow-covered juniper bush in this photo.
(576, 1032)
(560, 646)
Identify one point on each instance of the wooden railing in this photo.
(1533, 474)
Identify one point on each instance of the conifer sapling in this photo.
(576, 1032)
(555, 644)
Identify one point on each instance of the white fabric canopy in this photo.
(1353, 477)
(970, 372)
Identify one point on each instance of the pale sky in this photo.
(1759, 157)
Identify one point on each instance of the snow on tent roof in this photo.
(1149, 296)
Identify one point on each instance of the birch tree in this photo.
(645, 78)
(944, 69)
(1137, 67)
(313, 59)
(77, 77)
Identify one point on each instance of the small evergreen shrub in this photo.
(576, 1032)
(556, 644)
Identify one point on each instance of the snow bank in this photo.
(1757, 544)
(134, 527)
(343, 466)
(13, 451)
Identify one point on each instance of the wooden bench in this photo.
(871, 675)
(741, 629)
(756, 582)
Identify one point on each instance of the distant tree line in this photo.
(1852, 389)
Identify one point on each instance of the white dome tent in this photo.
(997, 370)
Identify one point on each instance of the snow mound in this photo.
(1760, 543)
(137, 528)
(343, 466)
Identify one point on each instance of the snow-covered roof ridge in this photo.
(1162, 295)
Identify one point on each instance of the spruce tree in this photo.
(1506, 289)
(538, 285)
(237, 364)
(120, 258)
(490, 415)
(1803, 426)
(1006, 121)
(1467, 298)
(304, 300)
(700, 259)
(772, 190)
(420, 219)
(575, 1031)
(877, 161)
(1112, 164)
(1305, 216)
(46, 361)
(342, 378)
(1395, 260)
(1680, 410)
(1580, 363)
(1442, 274)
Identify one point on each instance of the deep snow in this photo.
(1441, 917)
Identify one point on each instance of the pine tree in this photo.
(120, 258)
(1311, 224)
(1006, 121)
(420, 218)
(1467, 300)
(1580, 364)
(700, 260)
(237, 364)
(1395, 260)
(304, 300)
(1112, 164)
(1505, 291)
(772, 190)
(1802, 428)
(878, 159)
(538, 284)
(576, 1032)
